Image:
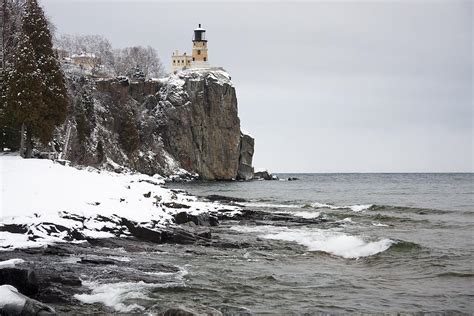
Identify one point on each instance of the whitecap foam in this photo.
(306, 214)
(354, 208)
(270, 205)
(332, 242)
(121, 295)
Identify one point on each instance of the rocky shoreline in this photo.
(55, 276)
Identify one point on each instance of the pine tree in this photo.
(24, 104)
(54, 92)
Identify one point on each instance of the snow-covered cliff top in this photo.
(219, 75)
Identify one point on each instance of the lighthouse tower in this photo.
(199, 55)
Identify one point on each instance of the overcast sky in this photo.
(327, 86)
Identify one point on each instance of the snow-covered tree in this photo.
(35, 98)
(24, 107)
(130, 60)
(54, 94)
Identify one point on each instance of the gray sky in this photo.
(326, 86)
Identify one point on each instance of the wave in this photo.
(456, 274)
(122, 296)
(331, 242)
(316, 205)
(271, 205)
(403, 246)
(354, 208)
(407, 209)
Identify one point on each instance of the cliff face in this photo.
(185, 123)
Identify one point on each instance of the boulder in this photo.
(245, 171)
(263, 175)
(203, 219)
(142, 233)
(14, 303)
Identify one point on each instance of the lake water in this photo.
(365, 243)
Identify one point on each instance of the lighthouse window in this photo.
(199, 52)
(174, 61)
(205, 59)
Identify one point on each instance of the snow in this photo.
(41, 193)
(82, 55)
(9, 296)
(10, 263)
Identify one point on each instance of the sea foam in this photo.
(332, 242)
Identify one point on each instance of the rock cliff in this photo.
(186, 123)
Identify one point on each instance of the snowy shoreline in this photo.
(44, 202)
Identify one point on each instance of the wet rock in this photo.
(176, 205)
(178, 311)
(56, 251)
(293, 179)
(64, 279)
(96, 261)
(14, 303)
(222, 198)
(24, 280)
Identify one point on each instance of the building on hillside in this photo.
(86, 60)
(199, 57)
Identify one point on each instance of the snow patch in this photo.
(10, 263)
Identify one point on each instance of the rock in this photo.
(245, 171)
(14, 303)
(178, 311)
(14, 228)
(147, 195)
(222, 198)
(96, 261)
(172, 235)
(24, 280)
(142, 232)
(264, 174)
(176, 205)
(187, 124)
(66, 279)
(293, 179)
(200, 220)
(202, 129)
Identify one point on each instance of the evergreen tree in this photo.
(54, 92)
(24, 104)
(128, 133)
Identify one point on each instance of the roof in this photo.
(90, 55)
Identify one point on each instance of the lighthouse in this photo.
(199, 56)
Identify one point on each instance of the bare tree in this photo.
(95, 44)
(144, 59)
